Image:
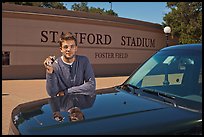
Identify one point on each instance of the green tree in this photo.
(185, 20)
(83, 6)
(111, 12)
(96, 10)
(52, 5)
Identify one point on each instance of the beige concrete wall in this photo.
(31, 34)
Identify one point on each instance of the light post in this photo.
(111, 5)
(167, 31)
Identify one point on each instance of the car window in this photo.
(179, 74)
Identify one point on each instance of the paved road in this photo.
(15, 92)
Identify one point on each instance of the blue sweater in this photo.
(76, 78)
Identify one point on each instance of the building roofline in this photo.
(39, 10)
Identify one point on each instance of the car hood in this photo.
(112, 113)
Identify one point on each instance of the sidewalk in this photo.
(15, 92)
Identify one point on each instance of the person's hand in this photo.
(47, 63)
(60, 93)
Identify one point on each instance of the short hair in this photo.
(67, 36)
(79, 116)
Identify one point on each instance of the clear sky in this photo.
(144, 11)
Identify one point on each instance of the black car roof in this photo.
(197, 47)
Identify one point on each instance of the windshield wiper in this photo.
(165, 97)
(127, 88)
(130, 85)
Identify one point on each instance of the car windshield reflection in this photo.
(176, 74)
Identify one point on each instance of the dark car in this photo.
(163, 96)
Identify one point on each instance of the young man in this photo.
(69, 73)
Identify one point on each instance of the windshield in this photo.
(177, 73)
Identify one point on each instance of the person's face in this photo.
(76, 115)
(68, 49)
